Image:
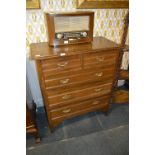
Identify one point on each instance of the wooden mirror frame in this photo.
(32, 4)
(100, 4)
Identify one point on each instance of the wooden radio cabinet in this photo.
(76, 79)
(64, 28)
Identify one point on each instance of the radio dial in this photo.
(84, 34)
(59, 36)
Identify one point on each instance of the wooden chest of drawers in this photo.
(76, 79)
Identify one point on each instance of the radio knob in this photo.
(84, 34)
(59, 36)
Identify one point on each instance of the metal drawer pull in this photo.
(99, 59)
(96, 102)
(66, 97)
(99, 74)
(101, 90)
(62, 54)
(98, 89)
(64, 81)
(66, 111)
(62, 64)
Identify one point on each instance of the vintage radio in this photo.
(69, 27)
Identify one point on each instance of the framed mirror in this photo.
(100, 4)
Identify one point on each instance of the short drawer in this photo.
(61, 64)
(79, 107)
(77, 95)
(100, 59)
(97, 75)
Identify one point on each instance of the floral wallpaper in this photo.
(108, 22)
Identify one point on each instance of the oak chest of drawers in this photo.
(76, 79)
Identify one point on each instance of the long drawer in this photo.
(56, 75)
(100, 59)
(82, 94)
(70, 88)
(93, 76)
(79, 107)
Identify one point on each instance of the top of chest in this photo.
(43, 50)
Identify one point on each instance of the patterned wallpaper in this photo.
(108, 22)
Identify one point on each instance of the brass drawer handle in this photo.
(96, 102)
(64, 81)
(98, 89)
(99, 59)
(99, 74)
(62, 64)
(66, 97)
(66, 111)
(103, 91)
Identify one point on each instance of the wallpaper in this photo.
(108, 22)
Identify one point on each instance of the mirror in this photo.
(100, 4)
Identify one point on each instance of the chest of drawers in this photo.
(76, 79)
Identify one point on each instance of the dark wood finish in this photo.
(101, 4)
(81, 85)
(53, 41)
(31, 126)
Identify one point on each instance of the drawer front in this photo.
(82, 106)
(81, 94)
(100, 59)
(55, 65)
(58, 75)
(67, 89)
(98, 75)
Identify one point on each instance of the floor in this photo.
(90, 134)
